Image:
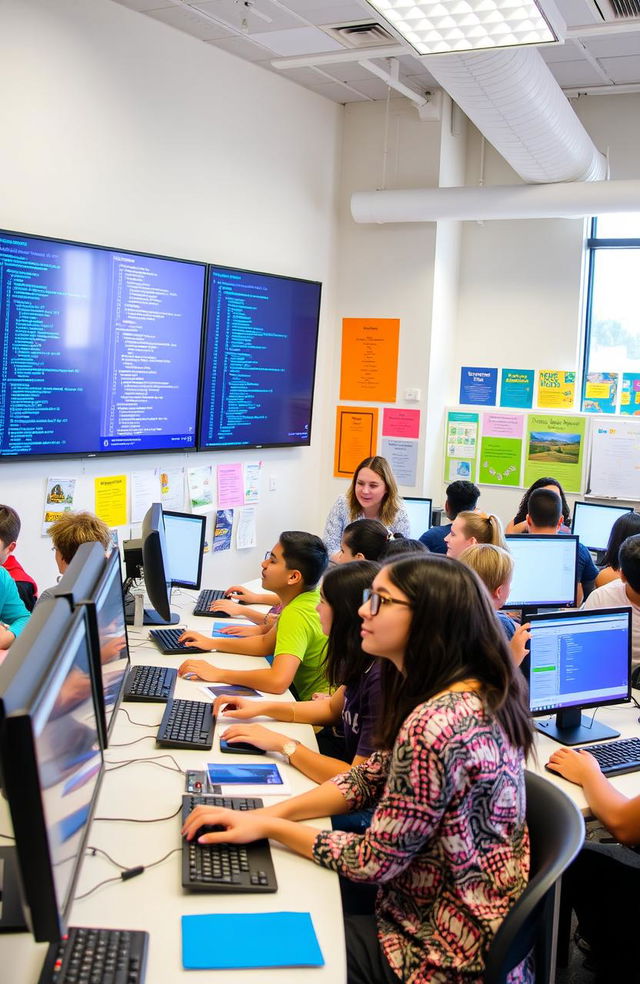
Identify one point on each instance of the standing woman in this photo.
(448, 846)
(373, 494)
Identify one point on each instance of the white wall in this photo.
(121, 131)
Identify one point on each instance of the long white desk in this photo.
(155, 901)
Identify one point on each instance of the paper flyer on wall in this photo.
(246, 528)
(251, 483)
(200, 487)
(172, 488)
(230, 485)
(630, 393)
(478, 385)
(145, 489)
(600, 392)
(59, 497)
(501, 449)
(403, 457)
(111, 499)
(556, 389)
(369, 362)
(555, 446)
(461, 446)
(516, 388)
(222, 530)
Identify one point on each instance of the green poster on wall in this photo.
(461, 446)
(555, 449)
(501, 448)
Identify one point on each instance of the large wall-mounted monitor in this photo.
(99, 349)
(259, 367)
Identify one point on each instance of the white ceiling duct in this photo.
(539, 201)
(514, 100)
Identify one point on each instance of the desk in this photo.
(155, 901)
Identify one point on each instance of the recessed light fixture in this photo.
(438, 26)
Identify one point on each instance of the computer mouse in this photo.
(190, 676)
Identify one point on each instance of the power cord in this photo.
(140, 820)
(125, 873)
(156, 759)
(123, 744)
(138, 724)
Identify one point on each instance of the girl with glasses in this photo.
(447, 846)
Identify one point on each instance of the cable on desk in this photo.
(123, 744)
(138, 724)
(156, 759)
(8, 837)
(127, 873)
(138, 819)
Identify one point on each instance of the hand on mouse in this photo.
(199, 669)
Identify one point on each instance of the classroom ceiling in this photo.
(601, 52)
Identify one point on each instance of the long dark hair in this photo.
(540, 483)
(342, 587)
(624, 526)
(366, 536)
(454, 636)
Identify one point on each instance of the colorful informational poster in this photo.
(369, 366)
(556, 389)
(615, 459)
(478, 386)
(400, 423)
(111, 499)
(252, 483)
(516, 388)
(600, 392)
(403, 457)
(222, 530)
(230, 486)
(356, 438)
(630, 393)
(501, 449)
(200, 486)
(58, 498)
(461, 446)
(172, 488)
(555, 446)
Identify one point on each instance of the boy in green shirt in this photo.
(292, 570)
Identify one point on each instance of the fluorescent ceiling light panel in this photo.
(438, 26)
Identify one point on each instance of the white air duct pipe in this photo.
(539, 201)
(514, 100)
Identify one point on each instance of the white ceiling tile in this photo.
(555, 53)
(297, 41)
(260, 15)
(347, 71)
(144, 5)
(189, 22)
(615, 45)
(571, 74)
(622, 70)
(243, 48)
(338, 93)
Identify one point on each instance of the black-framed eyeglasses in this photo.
(375, 600)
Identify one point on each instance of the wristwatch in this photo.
(289, 748)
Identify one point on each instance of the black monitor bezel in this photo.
(622, 510)
(546, 603)
(211, 267)
(584, 615)
(205, 296)
(421, 498)
(203, 534)
(155, 560)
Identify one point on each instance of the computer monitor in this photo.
(149, 556)
(185, 535)
(579, 660)
(592, 522)
(545, 570)
(52, 763)
(419, 512)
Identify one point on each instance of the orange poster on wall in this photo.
(369, 367)
(356, 438)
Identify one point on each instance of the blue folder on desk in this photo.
(225, 941)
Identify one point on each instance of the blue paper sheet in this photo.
(224, 941)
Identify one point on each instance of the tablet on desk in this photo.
(248, 778)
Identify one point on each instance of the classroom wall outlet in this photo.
(273, 485)
(413, 394)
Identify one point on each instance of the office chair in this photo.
(556, 830)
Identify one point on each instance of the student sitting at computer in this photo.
(625, 590)
(494, 566)
(364, 539)
(461, 497)
(447, 845)
(601, 885)
(68, 532)
(263, 622)
(9, 531)
(354, 674)
(400, 545)
(624, 526)
(373, 494)
(473, 527)
(13, 612)
(545, 517)
(292, 569)
(519, 522)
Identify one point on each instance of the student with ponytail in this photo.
(474, 527)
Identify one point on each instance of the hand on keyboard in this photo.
(227, 606)
(576, 765)
(233, 826)
(191, 638)
(199, 669)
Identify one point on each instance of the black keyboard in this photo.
(617, 757)
(97, 956)
(205, 599)
(167, 642)
(226, 867)
(150, 683)
(186, 724)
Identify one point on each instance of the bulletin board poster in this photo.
(516, 388)
(630, 393)
(369, 366)
(555, 446)
(478, 386)
(556, 389)
(356, 438)
(461, 446)
(501, 449)
(615, 459)
(600, 392)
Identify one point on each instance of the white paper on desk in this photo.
(246, 528)
(145, 489)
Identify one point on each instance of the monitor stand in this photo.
(11, 915)
(570, 728)
(150, 615)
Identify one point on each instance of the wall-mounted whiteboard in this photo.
(615, 459)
